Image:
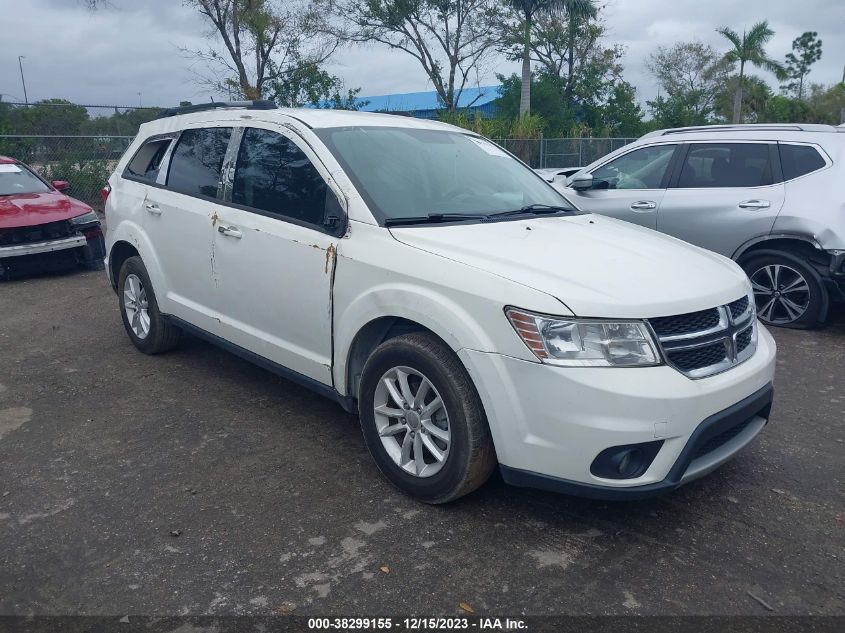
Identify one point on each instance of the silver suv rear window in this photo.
(799, 160)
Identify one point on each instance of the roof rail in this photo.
(751, 127)
(213, 105)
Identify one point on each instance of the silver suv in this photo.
(771, 197)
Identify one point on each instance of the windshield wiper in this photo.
(433, 218)
(531, 209)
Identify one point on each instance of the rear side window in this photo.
(197, 160)
(147, 160)
(726, 165)
(274, 176)
(798, 160)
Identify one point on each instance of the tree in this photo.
(692, 74)
(449, 38)
(263, 40)
(623, 116)
(587, 70)
(756, 95)
(749, 49)
(308, 84)
(806, 51)
(528, 12)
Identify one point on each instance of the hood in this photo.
(597, 266)
(29, 209)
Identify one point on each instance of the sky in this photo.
(129, 53)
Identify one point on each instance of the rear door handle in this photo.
(231, 231)
(643, 206)
(755, 204)
(152, 208)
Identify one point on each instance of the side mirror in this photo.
(334, 216)
(582, 182)
(60, 185)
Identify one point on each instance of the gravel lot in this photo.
(196, 483)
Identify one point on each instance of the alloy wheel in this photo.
(412, 421)
(782, 294)
(136, 306)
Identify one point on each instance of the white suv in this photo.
(425, 278)
(768, 196)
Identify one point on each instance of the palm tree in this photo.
(750, 49)
(528, 10)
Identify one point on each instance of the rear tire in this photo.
(405, 441)
(788, 291)
(147, 330)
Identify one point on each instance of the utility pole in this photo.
(20, 65)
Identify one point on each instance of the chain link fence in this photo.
(542, 153)
(84, 161)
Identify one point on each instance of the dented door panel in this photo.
(272, 288)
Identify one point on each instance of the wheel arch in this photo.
(368, 338)
(796, 245)
(120, 252)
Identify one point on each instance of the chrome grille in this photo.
(707, 342)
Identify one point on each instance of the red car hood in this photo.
(29, 209)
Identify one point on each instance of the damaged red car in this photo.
(41, 228)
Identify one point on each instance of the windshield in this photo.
(413, 173)
(16, 179)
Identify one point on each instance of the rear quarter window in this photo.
(799, 160)
(146, 162)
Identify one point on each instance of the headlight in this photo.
(585, 342)
(85, 218)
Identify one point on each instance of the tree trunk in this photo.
(571, 59)
(738, 95)
(525, 93)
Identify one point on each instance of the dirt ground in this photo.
(196, 483)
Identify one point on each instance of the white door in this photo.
(274, 256)
(724, 195)
(631, 186)
(178, 221)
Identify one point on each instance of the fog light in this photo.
(625, 462)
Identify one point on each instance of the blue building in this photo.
(424, 105)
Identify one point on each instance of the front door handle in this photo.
(643, 205)
(755, 204)
(153, 208)
(231, 231)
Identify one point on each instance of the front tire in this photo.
(146, 328)
(788, 291)
(423, 421)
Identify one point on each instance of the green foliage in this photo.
(86, 177)
(308, 84)
(806, 51)
(750, 49)
(622, 116)
(692, 75)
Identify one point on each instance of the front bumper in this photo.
(87, 248)
(550, 423)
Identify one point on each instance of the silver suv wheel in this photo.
(411, 421)
(136, 306)
(781, 292)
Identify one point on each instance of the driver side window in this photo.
(644, 168)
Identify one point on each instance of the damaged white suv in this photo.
(428, 280)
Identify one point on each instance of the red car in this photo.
(41, 228)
